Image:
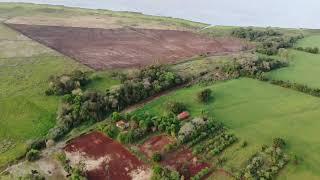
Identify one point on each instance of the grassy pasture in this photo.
(303, 69)
(25, 112)
(257, 112)
(310, 41)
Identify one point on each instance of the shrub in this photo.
(156, 157)
(37, 144)
(33, 155)
(278, 143)
(161, 173)
(176, 107)
(204, 95)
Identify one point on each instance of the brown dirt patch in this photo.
(178, 159)
(127, 47)
(155, 144)
(105, 159)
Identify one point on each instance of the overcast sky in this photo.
(280, 13)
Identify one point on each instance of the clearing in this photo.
(105, 158)
(155, 144)
(127, 47)
(257, 112)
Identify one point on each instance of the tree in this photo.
(176, 107)
(33, 155)
(204, 95)
(156, 157)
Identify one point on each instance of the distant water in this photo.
(278, 13)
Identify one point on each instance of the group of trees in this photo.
(204, 95)
(314, 50)
(252, 66)
(270, 40)
(67, 83)
(295, 86)
(192, 129)
(95, 106)
(163, 173)
(266, 163)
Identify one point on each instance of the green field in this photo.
(25, 112)
(310, 41)
(303, 69)
(257, 112)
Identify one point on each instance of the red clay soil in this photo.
(126, 47)
(178, 159)
(96, 145)
(155, 144)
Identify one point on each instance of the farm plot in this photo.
(105, 158)
(184, 162)
(127, 47)
(155, 144)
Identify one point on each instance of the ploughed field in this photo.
(105, 158)
(127, 47)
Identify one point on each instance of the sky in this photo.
(277, 13)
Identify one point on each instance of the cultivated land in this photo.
(257, 112)
(254, 111)
(104, 157)
(124, 48)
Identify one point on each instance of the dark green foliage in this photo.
(156, 157)
(169, 124)
(265, 164)
(116, 116)
(297, 87)
(253, 66)
(111, 130)
(204, 95)
(201, 174)
(33, 155)
(314, 50)
(162, 173)
(94, 106)
(176, 107)
(270, 40)
(37, 144)
(195, 127)
(66, 83)
(278, 143)
(78, 173)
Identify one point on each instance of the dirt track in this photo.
(126, 47)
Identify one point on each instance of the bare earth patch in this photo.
(127, 47)
(105, 159)
(155, 144)
(184, 162)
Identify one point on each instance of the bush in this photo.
(278, 143)
(156, 157)
(37, 144)
(176, 107)
(314, 50)
(161, 173)
(204, 95)
(33, 155)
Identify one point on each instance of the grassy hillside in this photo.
(59, 15)
(257, 112)
(303, 69)
(26, 113)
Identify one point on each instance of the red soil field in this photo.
(155, 144)
(106, 159)
(184, 157)
(126, 47)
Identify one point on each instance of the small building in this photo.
(122, 125)
(184, 115)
